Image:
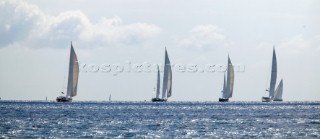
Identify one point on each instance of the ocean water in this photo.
(35, 119)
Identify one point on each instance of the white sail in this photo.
(224, 93)
(169, 87)
(273, 75)
(278, 92)
(228, 84)
(158, 83)
(73, 74)
(230, 77)
(167, 77)
(110, 97)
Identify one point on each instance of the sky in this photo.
(35, 37)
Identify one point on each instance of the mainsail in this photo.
(228, 84)
(158, 83)
(169, 87)
(230, 77)
(224, 93)
(73, 74)
(167, 78)
(278, 92)
(273, 75)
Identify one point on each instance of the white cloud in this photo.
(24, 23)
(204, 36)
(113, 30)
(17, 21)
(300, 44)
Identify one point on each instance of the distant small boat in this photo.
(72, 78)
(110, 97)
(167, 81)
(228, 84)
(46, 98)
(275, 95)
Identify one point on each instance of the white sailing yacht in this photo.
(272, 92)
(228, 84)
(110, 97)
(72, 78)
(167, 81)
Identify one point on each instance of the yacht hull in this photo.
(277, 100)
(63, 99)
(223, 99)
(266, 99)
(158, 100)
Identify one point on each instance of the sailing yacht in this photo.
(110, 97)
(274, 94)
(228, 84)
(72, 78)
(167, 81)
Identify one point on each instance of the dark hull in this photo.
(158, 100)
(63, 99)
(266, 99)
(223, 99)
(277, 100)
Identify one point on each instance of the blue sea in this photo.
(36, 119)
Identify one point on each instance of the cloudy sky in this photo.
(35, 37)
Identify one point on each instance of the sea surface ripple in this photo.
(38, 119)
